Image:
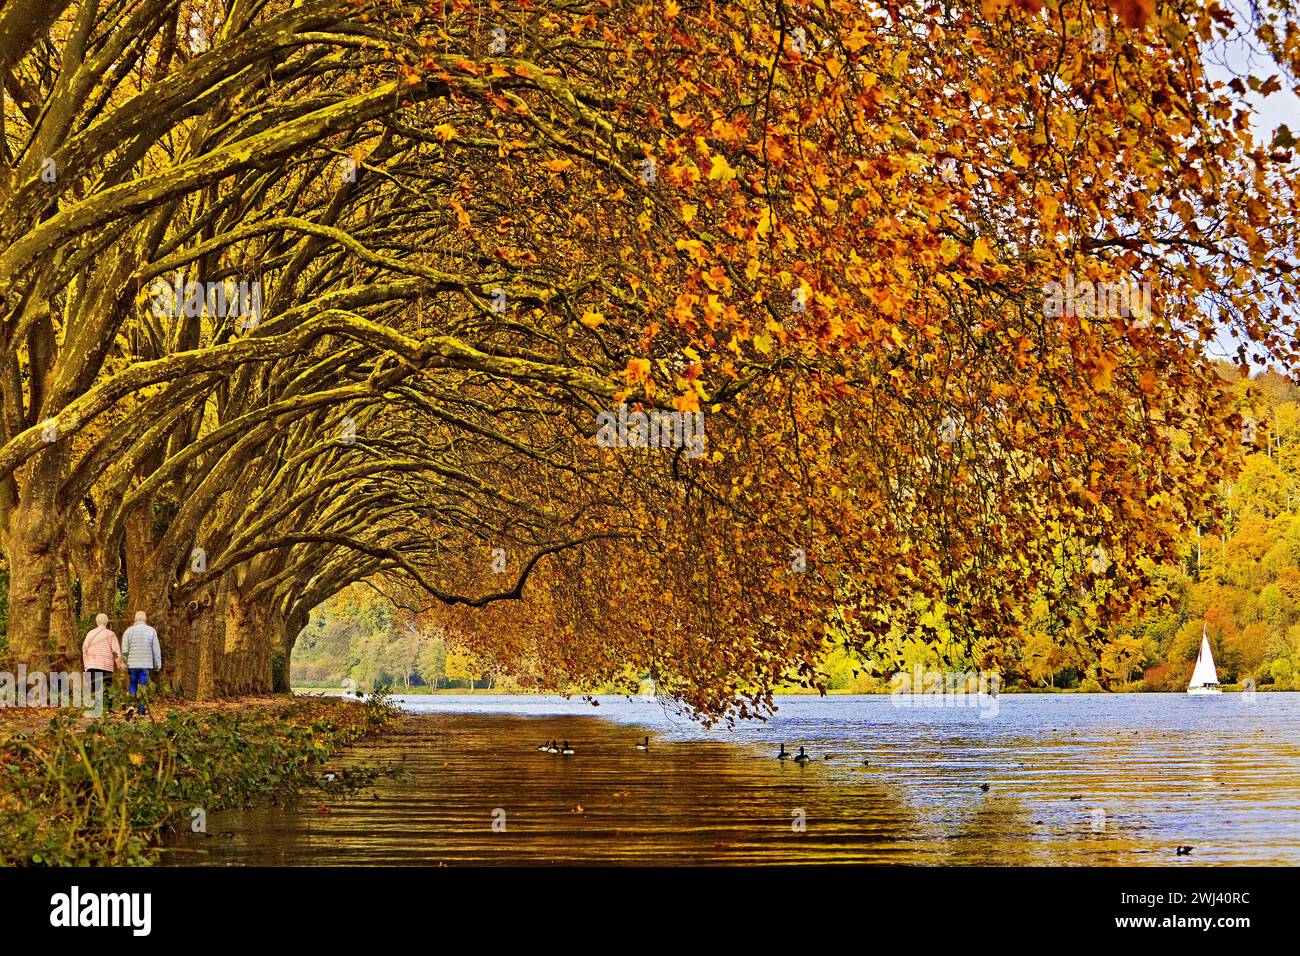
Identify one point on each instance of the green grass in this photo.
(104, 792)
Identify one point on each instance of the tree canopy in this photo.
(300, 294)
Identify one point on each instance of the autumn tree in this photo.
(939, 280)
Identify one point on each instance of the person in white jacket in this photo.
(142, 652)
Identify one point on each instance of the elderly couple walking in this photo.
(139, 652)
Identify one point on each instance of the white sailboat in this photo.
(1205, 679)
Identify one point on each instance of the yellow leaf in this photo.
(981, 250)
(690, 402)
(721, 169)
(445, 132)
(638, 370)
(462, 217)
(592, 320)
(557, 165)
(1101, 379)
(1019, 158)
(693, 248)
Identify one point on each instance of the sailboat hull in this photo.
(1203, 690)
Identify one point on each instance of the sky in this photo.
(1240, 56)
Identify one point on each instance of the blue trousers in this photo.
(138, 677)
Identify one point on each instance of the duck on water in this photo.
(800, 758)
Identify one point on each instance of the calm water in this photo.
(1071, 779)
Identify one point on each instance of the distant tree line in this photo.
(361, 636)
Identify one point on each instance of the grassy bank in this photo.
(103, 792)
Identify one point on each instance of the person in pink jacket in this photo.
(100, 655)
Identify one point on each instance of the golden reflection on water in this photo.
(707, 802)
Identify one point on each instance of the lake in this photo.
(1023, 779)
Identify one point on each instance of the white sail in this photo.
(1204, 676)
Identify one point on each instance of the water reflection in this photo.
(1052, 780)
(702, 802)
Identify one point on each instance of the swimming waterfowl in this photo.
(645, 745)
(544, 747)
(567, 751)
(552, 749)
(782, 755)
(803, 757)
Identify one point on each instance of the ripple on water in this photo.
(1072, 779)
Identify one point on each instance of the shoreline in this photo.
(103, 791)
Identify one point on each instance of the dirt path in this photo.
(29, 720)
